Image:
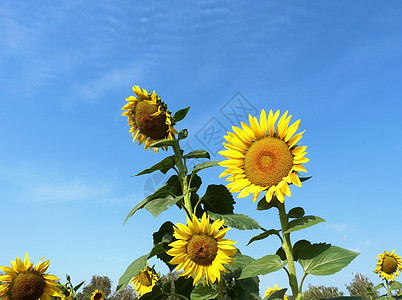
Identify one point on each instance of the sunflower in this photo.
(144, 281)
(25, 282)
(201, 250)
(67, 295)
(98, 295)
(148, 118)
(388, 265)
(262, 158)
(272, 290)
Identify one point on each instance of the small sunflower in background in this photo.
(148, 117)
(23, 281)
(388, 265)
(264, 158)
(201, 250)
(272, 290)
(98, 295)
(144, 281)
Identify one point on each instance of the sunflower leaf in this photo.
(264, 205)
(164, 165)
(163, 143)
(180, 114)
(264, 265)
(218, 199)
(197, 154)
(238, 221)
(133, 269)
(378, 286)
(163, 237)
(303, 222)
(263, 235)
(324, 259)
(296, 212)
(201, 292)
(394, 285)
(184, 286)
(205, 165)
(277, 295)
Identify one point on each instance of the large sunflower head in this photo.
(98, 295)
(23, 281)
(144, 281)
(201, 250)
(148, 118)
(388, 265)
(272, 290)
(263, 157)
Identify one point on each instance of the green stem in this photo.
(287, 247)
(221, 289)
(389, 291)
(182, 174)
(301, 282)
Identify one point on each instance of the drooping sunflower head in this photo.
(148, 117)
(201, 250)
(23, 281)
(98, 295)
(388, 265)
(272, 290)
(262, 157)
(144, 281)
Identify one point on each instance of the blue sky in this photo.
(66, 157)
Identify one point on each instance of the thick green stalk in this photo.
(182, 174)
(287, 247)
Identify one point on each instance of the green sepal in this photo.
(133, 269)
(264, 265)
(218, 199)
(180, 114)
(277, 295)
(305, 178)
(303, 222)
(238, 221)
(164, 166)
(324, 259)
(197, 154)
(182, 134)
(264, 205)
(163, 143)
(206, 292)
(296, 212)
(205, 165)
(263, 235)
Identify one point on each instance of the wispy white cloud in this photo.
(44, 184)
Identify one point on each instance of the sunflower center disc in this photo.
(145, 278)
(98, 296)
(268, 161)
(389, 265)
(27, 286)
(152, 126)
(202, 249)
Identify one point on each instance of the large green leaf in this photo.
(247, 288)
(317, 260)
(218, 199)
(206, 292)
(163, 143)
(205, 165)
(378, 286)
(264, 265)
(263, 235)
(164, 165)
(240, 262)
(238, 221)
(303, 222)
(180, 114)
(197, 154)
(163, 237)
(395, 285)
(133, 269)
(184, 286)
